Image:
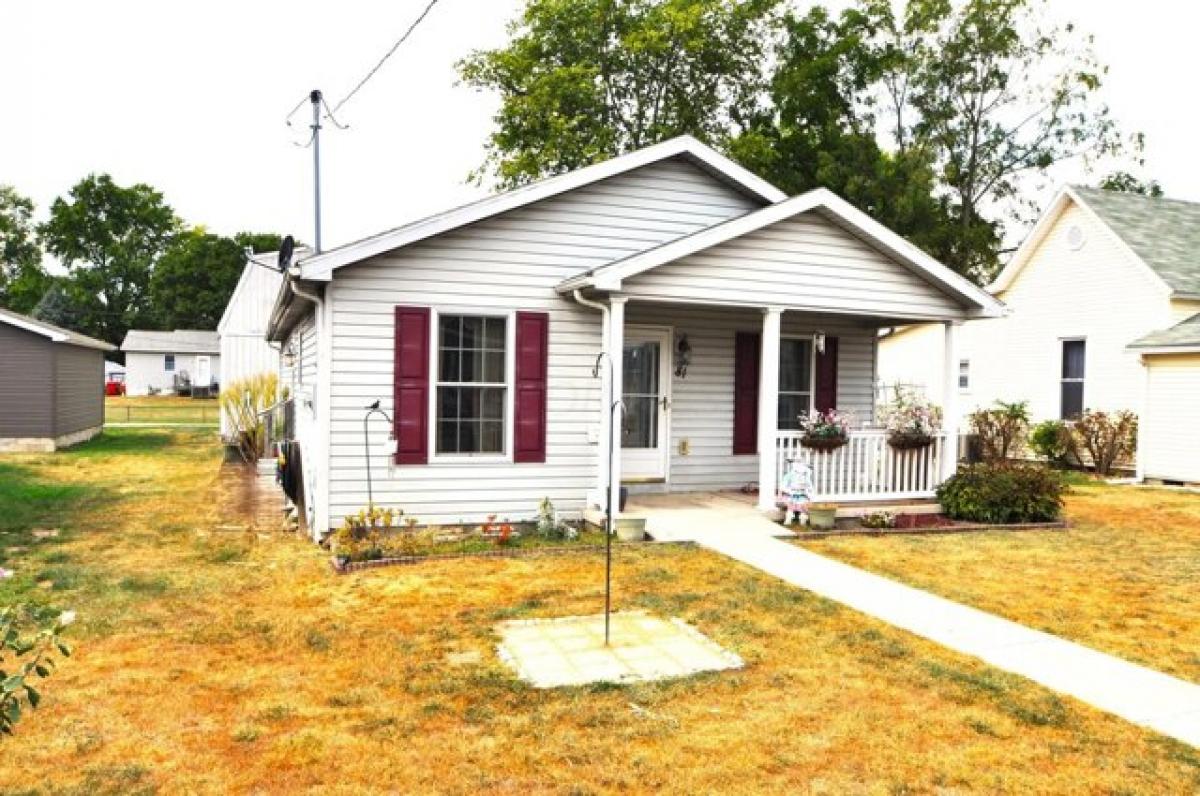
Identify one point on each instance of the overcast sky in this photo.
(192, 98)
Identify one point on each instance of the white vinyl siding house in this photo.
(1098, 272)
(245, 351)
(516, 257)
(157, 361)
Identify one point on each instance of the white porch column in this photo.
(604, 437)
(950, 412)
(616, 349)
(768, 407)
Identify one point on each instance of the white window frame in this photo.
(510, 359)
(964, 369)
(1062, 349)
(812, 375)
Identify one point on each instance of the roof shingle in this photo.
(179, 341)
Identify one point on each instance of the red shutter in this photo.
(745, 392)
(827, 375)
(529, 405)
(411, 385)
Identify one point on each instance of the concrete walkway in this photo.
(1143, 696)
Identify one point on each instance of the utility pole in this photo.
(315, 98)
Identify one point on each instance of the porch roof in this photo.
(841, 212)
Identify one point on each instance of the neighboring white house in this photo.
(1099, 271)
(244, 348)
(481, 330)
(161, 361)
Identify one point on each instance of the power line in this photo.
(386, 56)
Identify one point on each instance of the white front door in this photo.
(646, 393)
(203, 372)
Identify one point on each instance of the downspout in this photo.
(605, 440)
(322, 433)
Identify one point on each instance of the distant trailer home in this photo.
(171, 362)
(51, 385)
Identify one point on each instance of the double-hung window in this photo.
(964, 374)
(472, 384)
(1074, 355)
(169, 362)
(795, 380)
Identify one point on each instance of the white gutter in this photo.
(605, 435)
(319, 512)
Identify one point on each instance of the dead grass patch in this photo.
(1121, 578)
(263, 672)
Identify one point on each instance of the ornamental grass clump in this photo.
(1003, 493)
(910, 419)
(825, 430)
(243, 403)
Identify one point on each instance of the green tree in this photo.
(581, 81)
(56, 307)
(22, 278)
(194, 278)
(109, 237)
(1124, 182)
(258, 242)
(995, 97)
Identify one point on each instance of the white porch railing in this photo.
(866, 467)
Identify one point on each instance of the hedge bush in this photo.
(1003, 493)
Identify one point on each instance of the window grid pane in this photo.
(472, 385)
(795, 381)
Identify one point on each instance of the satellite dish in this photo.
(286, 247)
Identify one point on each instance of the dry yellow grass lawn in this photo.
(1123, 578)
(213, 659)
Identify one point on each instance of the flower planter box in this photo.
(823, 443)
(909, 441)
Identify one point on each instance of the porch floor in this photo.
(679, 516)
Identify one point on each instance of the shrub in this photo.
(1051, 439)
(1001, 430)
(1107, 437)
(879, 519)
(243, 402)
(28, 646)
(1003, 493)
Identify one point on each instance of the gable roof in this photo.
(179, 341)
(1162, 235)
(56, 334)
(1183, 336)
(838, 210)
(320, 267)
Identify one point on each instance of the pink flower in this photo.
(6, 573)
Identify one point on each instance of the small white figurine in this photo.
(797, 490)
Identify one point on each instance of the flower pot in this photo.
(631, 529)
(909, 440)
(821, 518)
(823, 443)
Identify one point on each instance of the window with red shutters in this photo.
(529, 405)
(411, 385)
(745, 393)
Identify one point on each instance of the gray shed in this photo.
(51, 385)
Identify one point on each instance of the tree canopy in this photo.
(932, 117)
(109, 238)
(22, 278)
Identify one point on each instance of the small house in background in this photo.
(182, 362)
(245, 351)
(51, 385)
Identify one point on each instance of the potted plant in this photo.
(821, 516)
(825, 431)
(910, 419)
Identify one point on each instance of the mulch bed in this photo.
(528, 552)
(927, 525)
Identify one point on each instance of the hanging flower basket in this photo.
(909, 440)
(823, 443)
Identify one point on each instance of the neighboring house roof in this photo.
(179, 341)
(320, 267)
(838, 210)
(1163, 235)
(1183, 336)
(54, 333)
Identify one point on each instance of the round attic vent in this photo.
(1075, 237)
